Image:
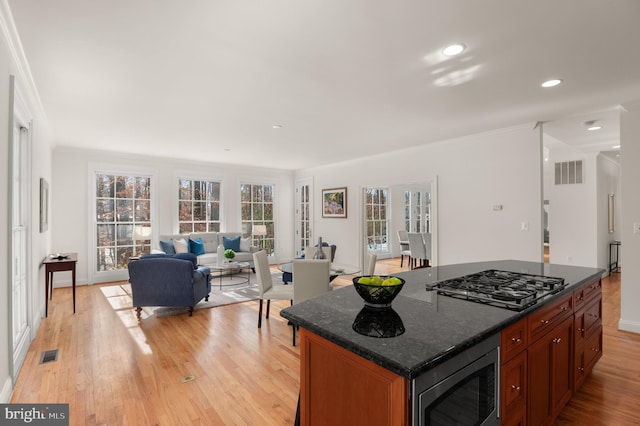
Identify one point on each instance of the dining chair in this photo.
(403, 239)
(310, 251)
(426, 237)
(310, 279)
(371, 263)
(418, 250)
(268, 291)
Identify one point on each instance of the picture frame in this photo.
(334, 203)
(44, 205)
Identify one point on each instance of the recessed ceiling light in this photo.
(277, 126)
(453, 50)
(551, 83)
(594, 128)
(227, 149)
(616, 147)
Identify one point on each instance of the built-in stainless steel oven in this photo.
(461, 391)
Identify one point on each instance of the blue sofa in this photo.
(168, 280)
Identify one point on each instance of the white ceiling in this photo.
(207, 80)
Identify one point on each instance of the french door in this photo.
(304, 215)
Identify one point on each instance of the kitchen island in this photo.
(429, 329)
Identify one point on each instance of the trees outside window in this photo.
(198, 206)
(123, 202)
(376, 204)
(257, 207)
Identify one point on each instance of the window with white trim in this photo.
(122, 205)
(376, 204)
(257, 207)
(199, 206)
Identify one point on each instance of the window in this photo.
(198, 206)
(417, 211)
(303, 212)
(377, 222)
(123, 203)
(256, 205)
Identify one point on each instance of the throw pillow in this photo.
(245, 244)
(181, 246)
(167, 247)
(231, 243)
(196, 247)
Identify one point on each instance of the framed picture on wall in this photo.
(334, 202)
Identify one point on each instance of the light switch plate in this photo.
(636, 228)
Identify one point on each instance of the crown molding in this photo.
(23, 71)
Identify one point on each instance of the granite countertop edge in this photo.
(412, 371)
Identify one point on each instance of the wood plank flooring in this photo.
(113, 370)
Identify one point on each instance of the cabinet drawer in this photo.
(593, 315)
(592, 349)
(513, 340)
(586, 293)
(587, 319)
(546, 318)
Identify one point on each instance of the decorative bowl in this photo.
(378, 322)
(379, 296)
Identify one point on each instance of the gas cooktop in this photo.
(504, 289)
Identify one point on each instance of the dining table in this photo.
(334, 271)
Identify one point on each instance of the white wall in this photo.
(473, 174)
(630, 250)
(11, 64)
(573, 235)
(71, 200)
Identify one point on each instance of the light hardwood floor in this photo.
(114, 370)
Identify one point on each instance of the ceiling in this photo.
(207, 80)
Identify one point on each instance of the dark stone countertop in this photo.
(436, 327)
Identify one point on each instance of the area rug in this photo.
(228, 295)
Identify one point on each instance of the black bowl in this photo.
(378, 296)
(378, 322)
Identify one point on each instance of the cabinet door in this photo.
(514, 389)
(561, 365)
(338, 387)
(549, 373)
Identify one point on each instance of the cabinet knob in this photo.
(516, 339)
(544, 321)
(557, 340)
(581, 330)
(564, 308)
(515, 388)
(581, 369)
(593, 315)
(595, 349)
(581, 298)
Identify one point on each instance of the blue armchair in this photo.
(168, 280)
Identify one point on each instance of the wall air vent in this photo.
(569, 172)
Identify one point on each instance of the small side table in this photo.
(62, 262)
(613, 264)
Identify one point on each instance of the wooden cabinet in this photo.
(548, 355)
(588, 332)
(550, 374)
(343, 385)
(513, 385)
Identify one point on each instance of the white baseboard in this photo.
(7, 389)
(631, 326)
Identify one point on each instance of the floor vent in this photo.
(49, 356)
